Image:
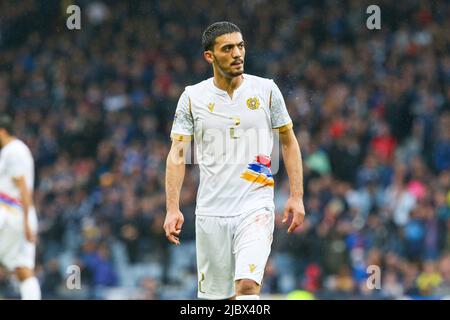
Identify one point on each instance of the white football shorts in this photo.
(15, 250)
(230, 249)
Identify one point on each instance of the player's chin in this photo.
(237, 73)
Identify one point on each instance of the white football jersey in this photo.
(233, 140)
(15, 160)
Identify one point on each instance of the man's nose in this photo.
(236, 53)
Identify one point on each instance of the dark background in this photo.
(371, 110)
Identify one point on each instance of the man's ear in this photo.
(208, 55)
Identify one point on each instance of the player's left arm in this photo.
(292, 158)
(293, 162)
(26, 201)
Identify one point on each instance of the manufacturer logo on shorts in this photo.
(252, 267)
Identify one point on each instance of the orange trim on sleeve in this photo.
(181, 137)
(284, 128)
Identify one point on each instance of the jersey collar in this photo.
(223, 92)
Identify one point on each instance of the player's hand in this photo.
(295, 207)
(29, 234)
(172, 226)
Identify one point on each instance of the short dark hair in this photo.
(216, 30)
(6, 123)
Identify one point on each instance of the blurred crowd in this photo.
(371, 110)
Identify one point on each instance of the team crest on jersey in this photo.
(253, 103)
(211, 107)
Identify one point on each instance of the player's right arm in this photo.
(26, 200)
(182, 133)
(16, 171)
(175, 168)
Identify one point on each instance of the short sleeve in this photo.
(278, 112)
(183, 122)
(15, 164)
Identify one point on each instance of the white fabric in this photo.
(229, 133)
(15, 250)
(248, 297)
(30, 289)
(230, 249)
(15, 161)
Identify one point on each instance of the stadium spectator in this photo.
(371, 109)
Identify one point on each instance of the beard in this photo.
(229, 70)
(237, 73)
